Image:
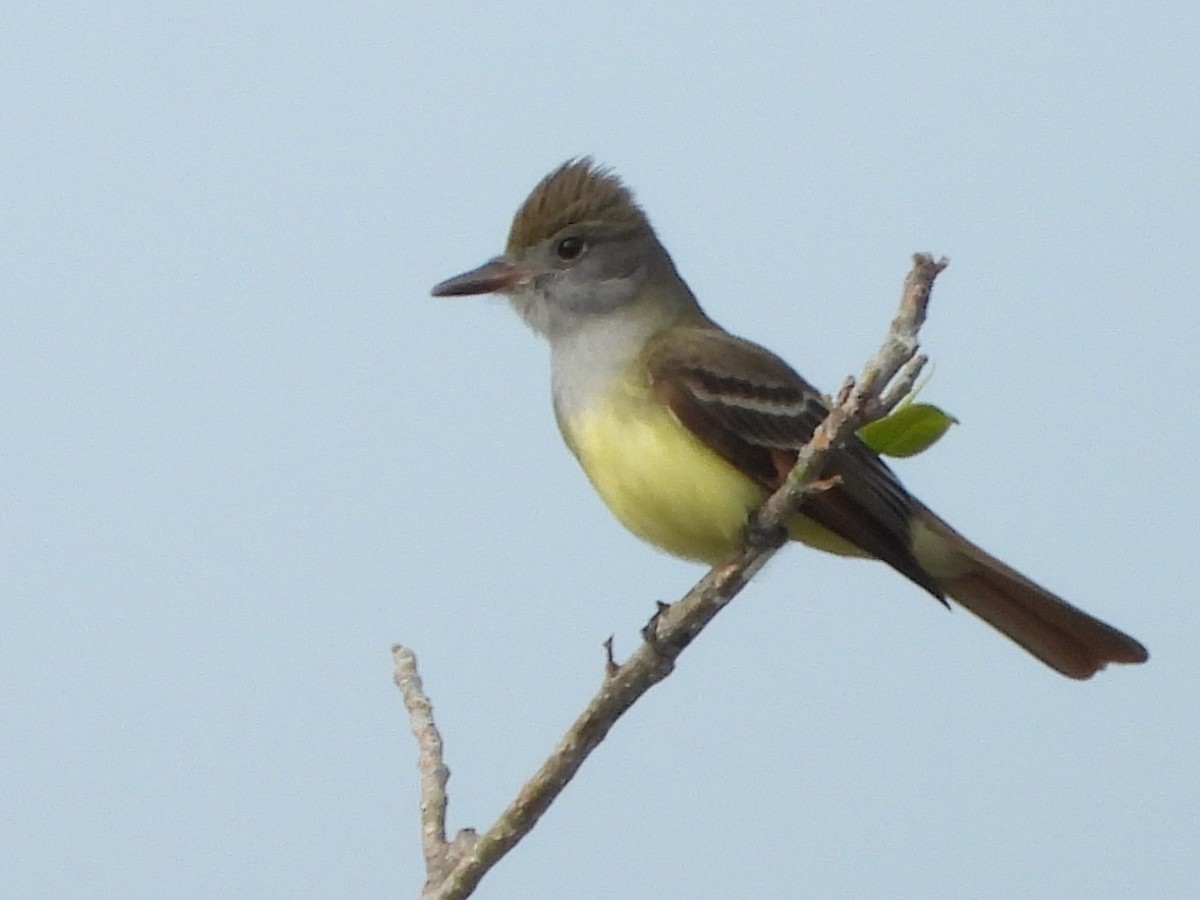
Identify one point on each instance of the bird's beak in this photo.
(496, 276)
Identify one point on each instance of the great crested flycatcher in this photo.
(684, 429)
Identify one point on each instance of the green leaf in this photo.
(910, 429)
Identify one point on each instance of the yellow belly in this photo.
(668, 487)
(660, 481)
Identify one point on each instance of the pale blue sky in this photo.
(244, 450)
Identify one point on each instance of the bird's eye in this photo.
(570, 248)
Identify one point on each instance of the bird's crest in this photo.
(576, 192)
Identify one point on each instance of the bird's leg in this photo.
(761, 535)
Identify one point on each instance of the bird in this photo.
(684, 429)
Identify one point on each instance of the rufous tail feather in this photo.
(1062, 636)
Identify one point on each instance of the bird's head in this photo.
(580, 247)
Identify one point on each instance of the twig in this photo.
(673, 627)
(440, 856)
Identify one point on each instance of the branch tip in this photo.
(611, 666)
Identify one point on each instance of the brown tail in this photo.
(1059, 634)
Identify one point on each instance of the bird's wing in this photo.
(752, 409)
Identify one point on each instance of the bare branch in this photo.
(674, 627)
(440, 856)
